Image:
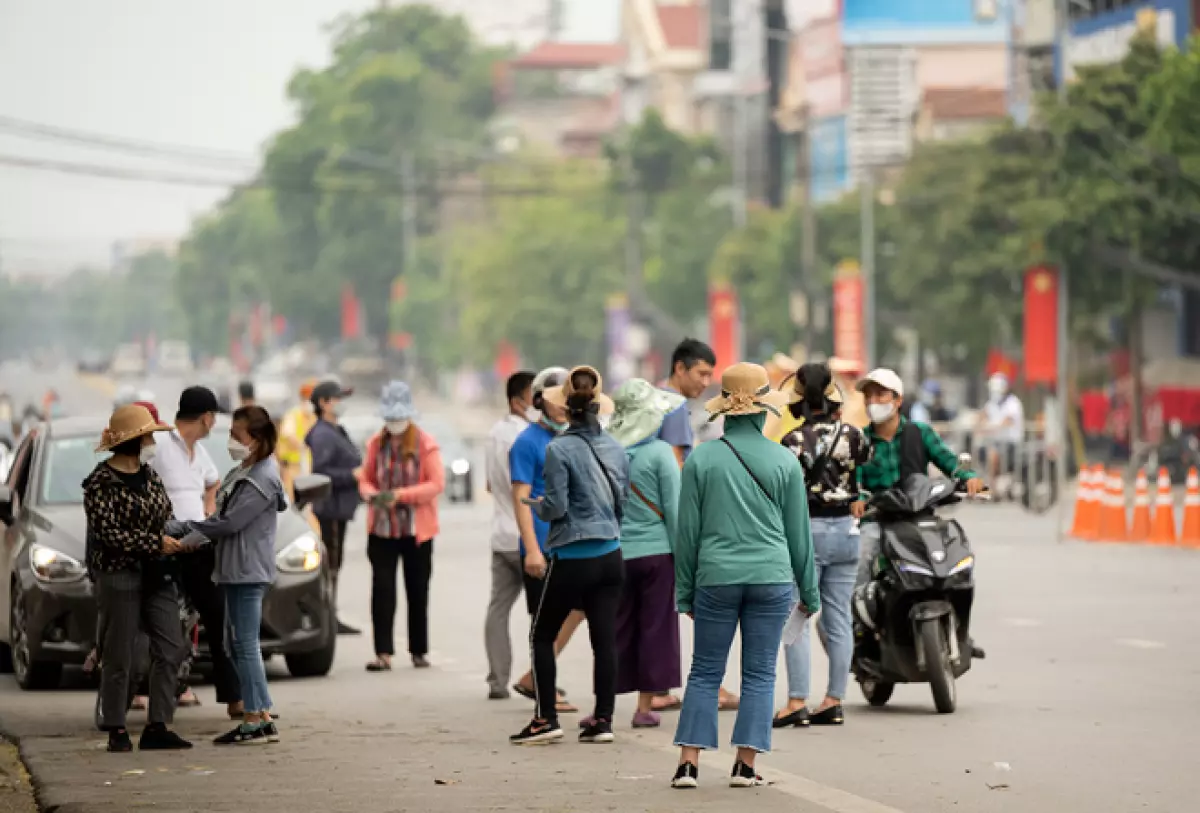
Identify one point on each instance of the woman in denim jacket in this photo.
(587, 477)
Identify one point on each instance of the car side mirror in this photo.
(6, 505)
(309, 488)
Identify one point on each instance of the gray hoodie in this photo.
(243, 527)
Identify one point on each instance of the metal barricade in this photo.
(1023, 471)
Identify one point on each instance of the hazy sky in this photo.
(208, 74)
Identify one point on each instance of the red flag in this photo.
(997, 362)
(350, 313)
(723, 320)
(507, 360)
(279, 324)
(1041, 326)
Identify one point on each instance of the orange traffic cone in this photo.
(1163, 530)
(1140, 532)
(1089, 495)
(1191, 511)
(1112, 512)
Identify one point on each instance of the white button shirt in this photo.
(186, 476)
(505, 536)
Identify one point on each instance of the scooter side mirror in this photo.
(964, 461)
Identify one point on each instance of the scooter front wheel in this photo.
(937, 666)
(877, 692)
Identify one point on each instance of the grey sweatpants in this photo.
(507, 584)
(127, 607)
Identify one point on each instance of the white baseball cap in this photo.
(883, 377)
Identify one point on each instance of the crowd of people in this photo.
(605, 509)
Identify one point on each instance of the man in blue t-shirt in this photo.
(692, 366)
(527, 462)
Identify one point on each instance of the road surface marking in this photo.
(1141, 643)
(829, 798)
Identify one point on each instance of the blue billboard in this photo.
(829, 160)
(925, 22)
(1104, 38)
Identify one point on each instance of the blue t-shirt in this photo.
(676, 429)
(527, 464)
(587, 549)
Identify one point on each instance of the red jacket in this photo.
(423, 496)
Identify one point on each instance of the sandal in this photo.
(528, 694)
(379, 665)
(672, 703)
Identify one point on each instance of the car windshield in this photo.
(68, 462)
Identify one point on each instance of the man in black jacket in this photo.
(335, 456)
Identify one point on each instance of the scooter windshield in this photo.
(916, 493)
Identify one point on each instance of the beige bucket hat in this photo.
(745, 390)
(129, 422)
(559, 395)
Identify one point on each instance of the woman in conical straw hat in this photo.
(744, 541)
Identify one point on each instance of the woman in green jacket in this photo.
(743, 542)
(647, 626)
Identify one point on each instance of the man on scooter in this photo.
(883, 392)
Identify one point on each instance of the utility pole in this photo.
(805, 171)
(1062, 395)
(409, 212)
(867, 262)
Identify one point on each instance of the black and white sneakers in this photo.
(538, 732)
(244, 735)
(743, 776)
(596, 731)
(687, 776)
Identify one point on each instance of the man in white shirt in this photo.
(507, 572)
(1004, 419)
(191, 479)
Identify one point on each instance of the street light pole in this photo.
(867, 262)
(1062, 394)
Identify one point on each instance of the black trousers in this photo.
(385, 554)
(591, 585)
(196, 580)
(333, 534)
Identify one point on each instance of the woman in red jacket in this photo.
(401, 480)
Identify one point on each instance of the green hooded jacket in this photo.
(729, 532)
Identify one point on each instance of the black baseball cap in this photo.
(330, 389)
(197, 401)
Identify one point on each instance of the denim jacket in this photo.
(579, 502)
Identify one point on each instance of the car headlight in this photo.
(50, 565)
(302, 556)
(460, 467)
(963, 565)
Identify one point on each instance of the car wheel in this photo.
(318, 662)
(30, 674)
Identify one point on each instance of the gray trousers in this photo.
(128, 607)
(871, 535)
(507, 584)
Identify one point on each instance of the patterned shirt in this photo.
(394, 469)
(125, 524)
(883, 471)
(843, 448)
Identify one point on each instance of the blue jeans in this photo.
(243, 617)
(761, 610)
(835, 551)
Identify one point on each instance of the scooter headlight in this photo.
(906, 567)
(966, 564)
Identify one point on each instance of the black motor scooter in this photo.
(912, 620)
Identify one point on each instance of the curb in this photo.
(19, 789)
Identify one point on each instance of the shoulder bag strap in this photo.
(818, 467)
(649, 502)
(616, 492)
(749, 470)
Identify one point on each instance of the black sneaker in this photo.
(157, 737)
(345, 629)
(271, 731)
(686, 776)
(241, 735)
(597, 731)
(119, 742)
(538, 733)
(743, 776)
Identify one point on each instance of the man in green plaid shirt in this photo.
(883, 392)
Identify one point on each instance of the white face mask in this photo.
(532, 415)
(237, 450)
(997, 390)
(396, 427)
(146, 453)
(880, 413)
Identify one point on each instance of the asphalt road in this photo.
(1085, 703)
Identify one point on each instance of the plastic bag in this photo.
(795, 625)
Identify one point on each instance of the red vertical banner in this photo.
(1041, 326)
(256, 326)
(848, 329)
(398, 339)
(279, 324)
(723, 325)
(507, 360)
(350, 314)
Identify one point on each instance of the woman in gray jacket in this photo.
(243, 529)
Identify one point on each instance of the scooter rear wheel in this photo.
(877, 692)
(937, 666)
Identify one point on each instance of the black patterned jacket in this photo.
(125, 526)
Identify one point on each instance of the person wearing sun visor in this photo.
(889, 435)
